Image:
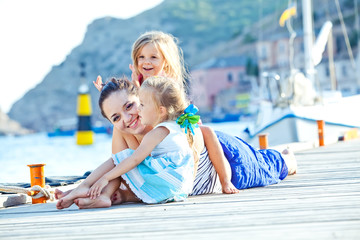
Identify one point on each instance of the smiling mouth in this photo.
(133, 123)
(148, 69)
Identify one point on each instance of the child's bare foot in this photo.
(68, 200)
(290, 161)
(229, 188)
(99, 202)
(58, 204)
(60, 194)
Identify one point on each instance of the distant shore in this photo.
(11, 127)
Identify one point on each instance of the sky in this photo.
(38, 34)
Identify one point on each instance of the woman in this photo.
(250, 169)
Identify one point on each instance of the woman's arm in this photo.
(119, 142)
(149, 142)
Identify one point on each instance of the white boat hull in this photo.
(298, 124)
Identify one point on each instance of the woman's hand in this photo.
(98, 83)
(134, 76)
(96, 189)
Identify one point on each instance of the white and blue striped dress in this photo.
(166, 175)
(206, 179)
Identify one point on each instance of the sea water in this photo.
(62, 156)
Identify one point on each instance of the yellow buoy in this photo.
(84, 134)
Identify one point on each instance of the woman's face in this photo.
(122, 111)
(150, 61)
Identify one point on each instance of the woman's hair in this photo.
(167, 44)
(114, 85)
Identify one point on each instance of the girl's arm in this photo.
(149, 142)
(218, 159)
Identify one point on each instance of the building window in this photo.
(230, 77)
(339, 44)
(327, 71)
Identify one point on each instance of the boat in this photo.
(299, 123)
(287, 118)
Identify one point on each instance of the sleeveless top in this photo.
(206, 179)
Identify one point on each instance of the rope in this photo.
(34, 192)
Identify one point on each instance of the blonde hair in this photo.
(167, 44)
(169, 94)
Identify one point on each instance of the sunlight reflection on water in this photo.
(62, 156)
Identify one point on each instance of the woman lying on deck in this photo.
(247, 166)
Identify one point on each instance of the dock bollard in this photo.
(321, 126)
(84, 134)
(263, 141)
(37, 177)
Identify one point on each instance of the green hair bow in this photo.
(188, 119)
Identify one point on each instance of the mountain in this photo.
(202, 27)
(10, 127)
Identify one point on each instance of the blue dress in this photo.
(251, 167)
(166, 175)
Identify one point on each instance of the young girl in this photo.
(157, 53)
(167, 174)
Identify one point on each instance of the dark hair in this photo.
(114, 85)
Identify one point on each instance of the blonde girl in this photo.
(161, 168)
(155, 53)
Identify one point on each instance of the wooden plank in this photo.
(321, 201)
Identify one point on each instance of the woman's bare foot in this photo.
(68, 200)
(229, 188)
(290, 161)
(99, 202)
(60, 194)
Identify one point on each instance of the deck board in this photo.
(322, 201)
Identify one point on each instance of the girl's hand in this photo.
(134, 76)
(98, 83)
(96, 189)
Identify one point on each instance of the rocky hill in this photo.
(10, 127)
(205, 28)
(200, 26)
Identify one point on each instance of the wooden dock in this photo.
(321, 202)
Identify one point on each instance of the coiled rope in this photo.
(34, 192)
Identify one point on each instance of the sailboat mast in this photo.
(308, 39)
(357, 27)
